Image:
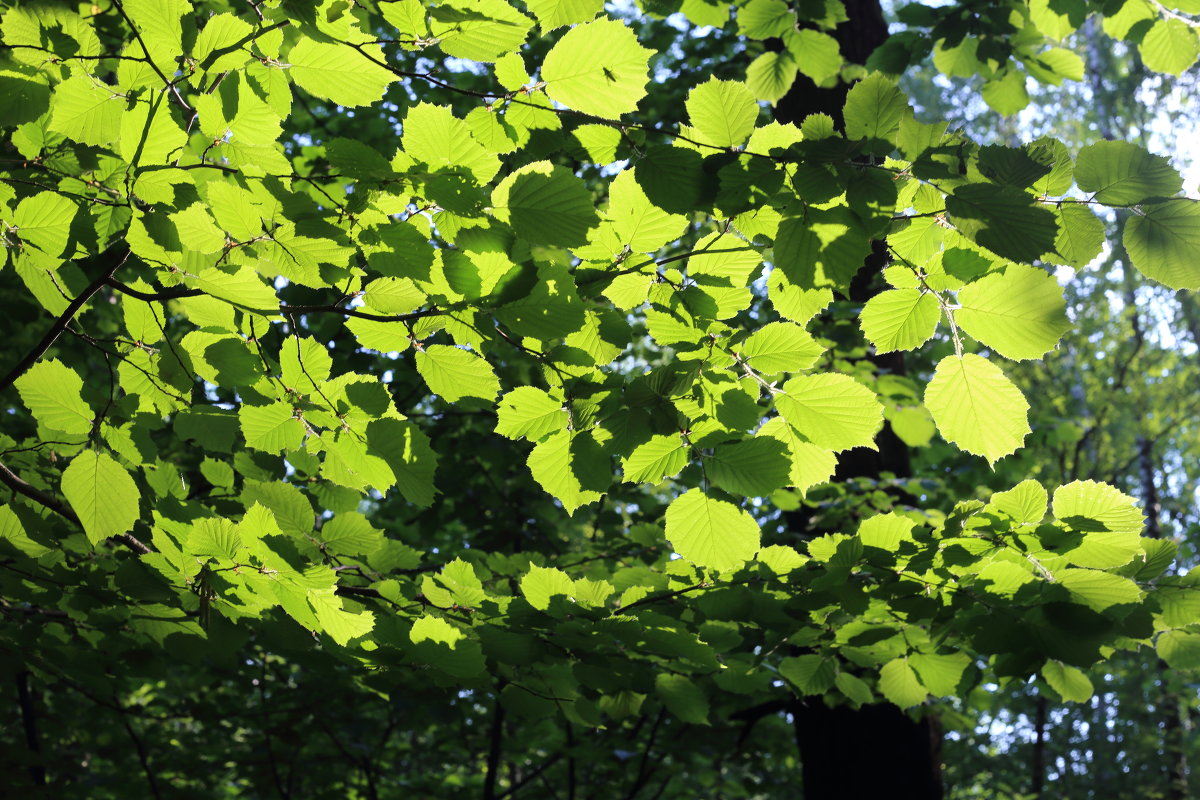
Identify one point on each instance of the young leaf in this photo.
(900, 319)
(833, 411)
(52, 391)
(102, 494)
(722, 113)
(976, 407)
(546, 204)
(900, 684)
(1020, 312)
(711, 533)
(597, 68)
(1071, 683)
(454, 373)
(752, 468)
(1163, 242)
(781, 347)
(531, 413)
(658, 458)
(339, 73)
(1120, 173)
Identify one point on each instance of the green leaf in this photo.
(1020, 312)
(454, 373)
(546, 204)
(900, 684)
(222, 359)
(243, 288)
(86, 110)
(1108, 520)
(764, 19)
(818, 55)
(682, 697)
(1163, 241)
(408, 455)
(479, 30)
(1171, 45)
(531, 413)
(976, 407)
(271, 428)
(885, 531)
(304, 364)
(553, 14)
(658, 458)
(1120, 173)
(339, 73)
(722, 113)
(900, 319)
(161, 29)
(1025, 503)
(1071, 683)
(102, 494)
(855, 689)
(833, 411)
(1006, 94)
(940, 673)
(13, 532)
(771, 75)
(752, 468)
(52, 391)
(781, 347)
(810, 674)
(1098, 590)
(597, 68)
(434, 136)
(636, 222)
(341, 625)
(23, 96)
(554, 463)
(541, 584)
(1080, 235)
(709, 532)
(1003, 219)
(218, 41)
(1054, 65)
(44, 221)
(1180, 649)
(810, 464)
(873, 111)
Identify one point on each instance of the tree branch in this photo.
(115, 257)
(327, 308)
(10, 479)
(496, 736)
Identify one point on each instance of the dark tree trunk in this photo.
(1037, 779)
(867, 753)
(875, 751)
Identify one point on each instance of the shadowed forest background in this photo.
(408, 354)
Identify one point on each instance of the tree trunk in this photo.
(1037, 780)
(875, 751)
(871, 752)
(1175, 734)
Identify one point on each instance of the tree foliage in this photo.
(429, 347)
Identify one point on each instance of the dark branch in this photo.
(328, 308)
(10, 479)
(112, 259)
